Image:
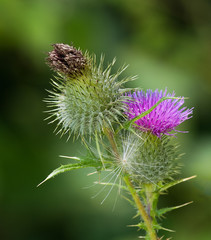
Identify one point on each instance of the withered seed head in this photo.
(67, 60)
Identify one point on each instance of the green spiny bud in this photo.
(148, 158)
(86, 98)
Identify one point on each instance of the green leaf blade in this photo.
(163, 211)
(171, 184)
(69, 167)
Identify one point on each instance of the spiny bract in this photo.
(85, 103)
(148, 158)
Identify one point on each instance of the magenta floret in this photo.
(164, 118)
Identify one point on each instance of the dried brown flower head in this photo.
(66, 60)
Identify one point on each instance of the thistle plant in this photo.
(128, 132)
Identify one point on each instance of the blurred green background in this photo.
(167, 44)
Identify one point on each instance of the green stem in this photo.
(132, 190)
(141, 209)
(151, 200)
(112, 141)
(98, 149)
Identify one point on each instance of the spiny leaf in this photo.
(74, 158)
(69, 167)
(171, 184)
(140, 225)
(162, 211)
(165, 229)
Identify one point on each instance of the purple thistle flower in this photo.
(164, 118)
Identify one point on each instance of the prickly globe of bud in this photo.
(86, 98)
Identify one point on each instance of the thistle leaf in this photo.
(74, 158)
(166, 229)
(69, 167)
(162, 211)
(171, 184)
(140, 225)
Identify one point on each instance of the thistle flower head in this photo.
(66, 60)
(86, 97)
(147, 158)
(164, 118)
